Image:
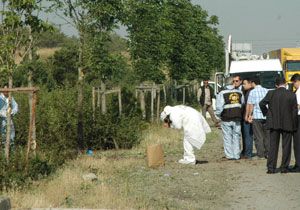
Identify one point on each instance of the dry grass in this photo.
(44, 53)
(126, 183)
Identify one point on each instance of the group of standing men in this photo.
(260, 116)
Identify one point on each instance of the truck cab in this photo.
(289, 59)
(265, 70)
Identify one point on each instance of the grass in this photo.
(44, 53)
(125, 182)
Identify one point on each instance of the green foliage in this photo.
(52, 38)
(42, 73)
(148, 36)
(116, 44)
(17, 16)
(64, 65)
(56, 125)
(172, 38)
(100, 63)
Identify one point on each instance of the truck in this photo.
(248, 66)
(290, 61)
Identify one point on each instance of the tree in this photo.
(17, 21)
(149, 38)
(172, 39)
(88, 17)
(195, 41)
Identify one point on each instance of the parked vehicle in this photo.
(290, 61)
(248, 67)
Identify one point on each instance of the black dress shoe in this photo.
(295, 169)
(284, 170)
(271, 171)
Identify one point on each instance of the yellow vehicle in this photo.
(290, 61)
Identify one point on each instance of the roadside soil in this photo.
(125, 182)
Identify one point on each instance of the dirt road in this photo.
(126, 183)
(254, 189)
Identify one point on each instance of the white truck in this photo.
(249, 66)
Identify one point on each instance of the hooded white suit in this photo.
(194, 125)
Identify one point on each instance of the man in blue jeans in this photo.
(229, 109)
(247, 130)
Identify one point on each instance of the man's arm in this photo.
(263, 103)
(249, 111)
(15, 107)
(219, 104)
(249, 107)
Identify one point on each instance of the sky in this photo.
(267, 24)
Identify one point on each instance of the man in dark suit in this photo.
(296, 139)
(280, 107)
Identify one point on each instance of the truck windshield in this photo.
(293, 65)
(267, 78)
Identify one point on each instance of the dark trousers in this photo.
(247, 139)
(261, 138)
(274, 146)
(296, 141)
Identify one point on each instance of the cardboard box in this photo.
(155, 156)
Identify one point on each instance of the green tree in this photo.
(17, 21)
(173, 39)
(87, 17)
(149, 39)
(196, 44)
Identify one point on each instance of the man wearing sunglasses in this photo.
(237, 83)
(229, 109)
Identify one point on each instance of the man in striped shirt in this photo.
(255, 116)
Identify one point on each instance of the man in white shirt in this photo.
(3, 116)
(296, 80)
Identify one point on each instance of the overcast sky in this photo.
(267, 24)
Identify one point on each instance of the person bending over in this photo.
(194, 126)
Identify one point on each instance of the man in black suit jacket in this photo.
(280, 107)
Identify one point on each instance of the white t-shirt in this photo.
(298, 99)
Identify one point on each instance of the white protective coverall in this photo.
(194, 125)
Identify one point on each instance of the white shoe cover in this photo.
(184, 161)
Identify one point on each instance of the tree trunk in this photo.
(8, 119)
(80, 139)
(30, 84)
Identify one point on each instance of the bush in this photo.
(56, 124)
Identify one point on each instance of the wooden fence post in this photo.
(98, 97)
(152, 104)
(103, 97)
(94, 101)
(143, 105)
(158, 105)
(165, 94)
(183, 95)
(120, 101)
